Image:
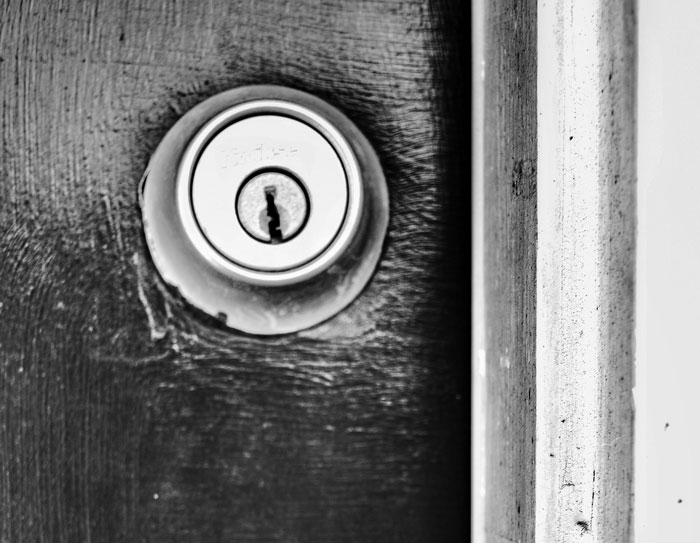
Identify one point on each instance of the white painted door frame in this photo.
(559, 219)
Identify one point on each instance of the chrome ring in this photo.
(339, 243)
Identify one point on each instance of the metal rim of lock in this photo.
(208, 198)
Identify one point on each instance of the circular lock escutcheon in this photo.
(266, 207)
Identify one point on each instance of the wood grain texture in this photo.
(124, 415)
(510, 239)
(586, 263)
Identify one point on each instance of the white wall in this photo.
(667, 394)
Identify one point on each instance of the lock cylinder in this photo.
(264, 196)
(261, 163)
(272, 206)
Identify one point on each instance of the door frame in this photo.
(558, 202)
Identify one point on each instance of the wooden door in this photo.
(125, 416)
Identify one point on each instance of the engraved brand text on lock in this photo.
(259, 153)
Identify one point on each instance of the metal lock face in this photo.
(270, 192)
(261, 188)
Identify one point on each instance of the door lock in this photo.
(266, 207)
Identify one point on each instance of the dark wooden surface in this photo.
(510, 262)
(125, 416)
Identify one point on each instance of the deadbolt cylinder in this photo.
(265, 207)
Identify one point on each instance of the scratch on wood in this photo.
(157, 332)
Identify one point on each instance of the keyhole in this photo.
(273, 214)
(272, 207)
